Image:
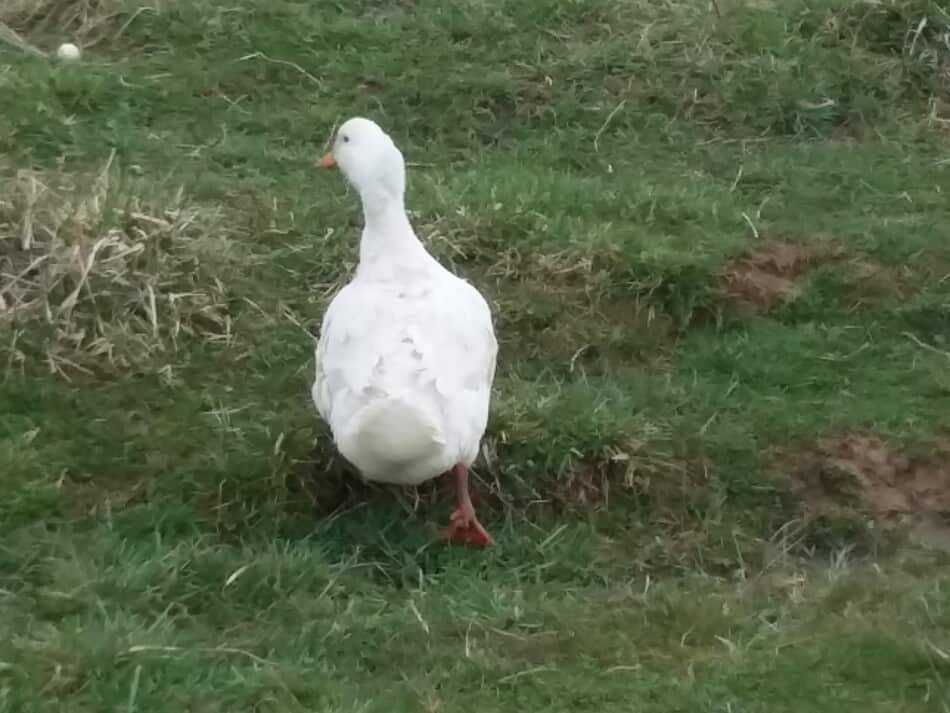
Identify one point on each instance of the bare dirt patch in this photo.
(772, 273)
(860, 472)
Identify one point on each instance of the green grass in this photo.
(175, 530)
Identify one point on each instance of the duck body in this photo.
(404, 367)
(406, 355)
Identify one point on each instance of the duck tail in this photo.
(390, 434)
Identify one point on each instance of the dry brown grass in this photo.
(83, 22)
(92, 274)
(80, 18)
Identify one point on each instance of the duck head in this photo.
(369, 159)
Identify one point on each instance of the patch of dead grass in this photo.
(83, 22)
(93, 274)
(75, 18)
(663, 482)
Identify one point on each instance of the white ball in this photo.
(68, 52)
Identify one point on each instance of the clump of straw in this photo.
(95, 275)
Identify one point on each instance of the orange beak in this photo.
(327, 161)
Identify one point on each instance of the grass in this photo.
(177, 533)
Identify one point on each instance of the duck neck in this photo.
(387, 233)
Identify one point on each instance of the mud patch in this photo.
(772, 274)
(860, 472)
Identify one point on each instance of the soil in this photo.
(772, 274)
(860, 471)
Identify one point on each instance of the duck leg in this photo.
(464, 527)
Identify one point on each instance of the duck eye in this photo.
(346, 139)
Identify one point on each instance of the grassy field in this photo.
(715, 236)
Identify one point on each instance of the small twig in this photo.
(26, 227)
(125, 25)
(24, 272)
(755, 231)
(920, 28)
(735, 183)
(86, 264)
(924, 345)
(576, 356)
(134, 688)
(8, 35)
(610, 116)
(152, 311)
(203, 650)
(553, 536)
(332, 135)
(11, 357)
(294, 65)
(526, 672)
(940, 652)
(422, 622)
(715, 7)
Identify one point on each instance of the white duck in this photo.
(406, 355)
